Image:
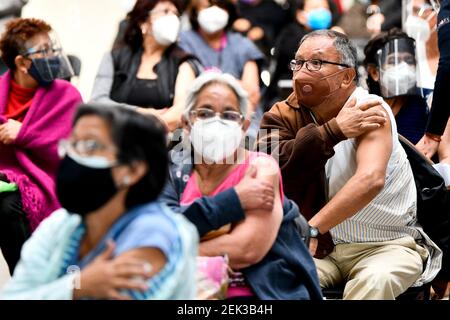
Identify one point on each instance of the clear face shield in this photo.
(397, 66)
(49, 60)
(417, 18)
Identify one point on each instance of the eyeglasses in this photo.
(86, 152)
(46, 52)
(83, 147)
(312, 65)
(204, 113)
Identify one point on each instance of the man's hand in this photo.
(255, 193)
(9, 131)
(427, 146)
(355, 120)
(105, 276)
(313, 243)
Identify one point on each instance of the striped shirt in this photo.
(392, 213)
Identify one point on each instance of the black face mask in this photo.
(45, 70)
(82, 189)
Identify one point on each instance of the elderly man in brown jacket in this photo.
(303, 143)
(330, 130)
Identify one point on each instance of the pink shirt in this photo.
(192, 193)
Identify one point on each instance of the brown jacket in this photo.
(303, 150)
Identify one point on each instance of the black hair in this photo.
(227, 5)
(138, 15)
(371, 54)
(138, 138)
(378, 42)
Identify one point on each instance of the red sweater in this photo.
(19, 101)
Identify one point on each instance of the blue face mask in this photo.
(319, 19)
(45, 70)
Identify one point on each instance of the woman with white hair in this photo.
(265, 251)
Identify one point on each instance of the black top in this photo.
(145, 93)
(126, 86)
(440, 110)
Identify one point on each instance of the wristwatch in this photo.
(313, 232)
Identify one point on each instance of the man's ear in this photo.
(349, 77)
(22, 64)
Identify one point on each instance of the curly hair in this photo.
(137, 16)
(17, 33)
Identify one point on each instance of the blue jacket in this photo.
(287, 272)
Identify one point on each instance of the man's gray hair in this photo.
(212, 77)
(342, 44)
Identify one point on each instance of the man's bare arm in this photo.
(372, 156)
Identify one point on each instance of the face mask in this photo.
(215, 139)
(166, 29)
(319, 19)
(398, 80)
(312, 92)
(212, 19)
(417, 28)
(45, 70)
(84, 184)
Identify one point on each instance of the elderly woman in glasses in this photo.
(147, 71)
(111, 240)
(266, 253)
(35, 112)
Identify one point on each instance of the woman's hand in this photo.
(9, 131)
(105, 277)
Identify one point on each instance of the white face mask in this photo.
(398, 80)
(212, 19)
(417, 28)
(216, 139)
(166, 29)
